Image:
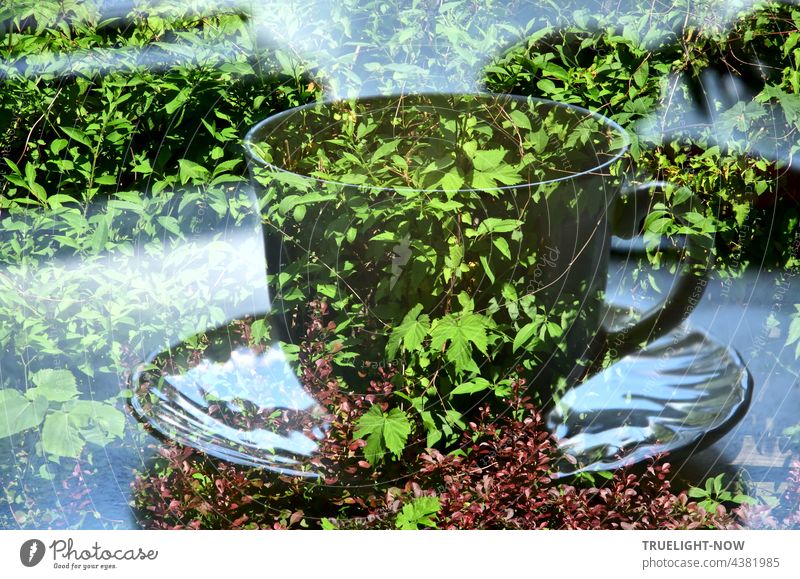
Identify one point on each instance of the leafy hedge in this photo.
(613, 66)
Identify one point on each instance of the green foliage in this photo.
(54, 385)
(460, 333)
(77, 128)
(631, 66)
(715, 494)
(431, 282)
(19, 413)
(103, 149)
(383, 431)
(421, 512)
(411, 332)
(60, 436)
(67, 423)
(793, 432)
(119, 138)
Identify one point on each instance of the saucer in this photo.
(243, 405)
(679, 394)
(247, 406)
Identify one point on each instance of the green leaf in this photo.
(794, 331)
(420, 511)
(554, 330)
(102, 415)
(396, 430)
(106, 180)
(451, 181)
(744, 499)
(502, 246)
(291, 201)
(54, 385)
(520, 119)
(790, 103)
(370, 423)
(385, 236)
(18, 413)
(445, 205)
(507, 175)
(191, 171)
(525, 334)
(434, 434)
(45, 473)
(30, 173)
(100, 236)
(488, 159)
(718, 483)
(327, 289)
(383, 431)
(461, 332)
(641, 75)
(375, 449)
(385, 149)
(495, 225)
(487, 268)
(697, 493)
(547, 86)
(177, 102)
(476, 385)
(143, 167)
(482, 180)
(411, 332)
(57, 145)
(453, 261)
(554, 70)
(77, 135)
(61, 436)
(169, 223)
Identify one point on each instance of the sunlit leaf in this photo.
(18, 413)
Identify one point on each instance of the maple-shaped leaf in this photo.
(488, 159)
(383, 431)
(421, 511)
(460, 332)
(410, 333)
(55, 385)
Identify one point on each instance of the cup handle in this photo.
(629, 209)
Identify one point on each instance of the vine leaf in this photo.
(410, 333)
(462, 331)
(99, 421)
(420, 511)
(526, 333)
(383, 431)
(17, 413)
(61, 435)
(54, 385)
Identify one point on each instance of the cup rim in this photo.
(249, 140)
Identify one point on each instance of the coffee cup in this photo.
(461, 240)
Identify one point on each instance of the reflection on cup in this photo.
(458, 238)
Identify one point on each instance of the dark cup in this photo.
(459, 239)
